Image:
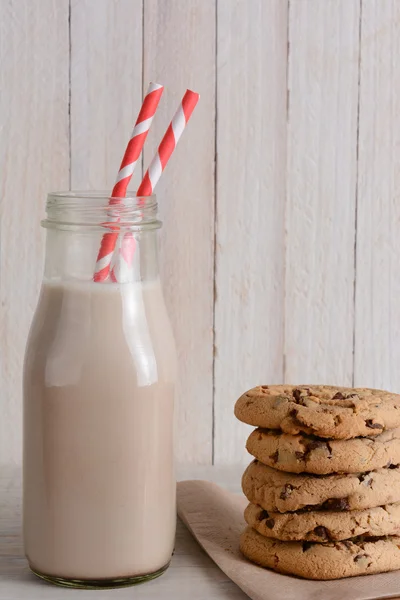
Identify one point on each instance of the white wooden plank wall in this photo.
(377, 348)
(280, 253)
(251, 175)
(106, 88)
(183, 56)
(321, 185)
(34, 157)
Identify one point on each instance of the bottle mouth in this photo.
(97, 209)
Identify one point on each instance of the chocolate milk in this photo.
(99, 487)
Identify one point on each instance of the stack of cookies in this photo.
(324, 488)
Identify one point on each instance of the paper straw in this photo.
(128, 164)
(120, 272)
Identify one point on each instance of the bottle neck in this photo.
(79, 225)
(71, 256)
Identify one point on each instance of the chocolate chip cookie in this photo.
(325, 525)
(324, 411)
(282, 492)
(330, 560)
(307, 454)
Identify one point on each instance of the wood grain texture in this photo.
(321, 191)
(106, 88)
(34, 158)
(377, 334)
(179, 52)
(287, 182)
(251, 173)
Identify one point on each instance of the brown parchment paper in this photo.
(215, 518)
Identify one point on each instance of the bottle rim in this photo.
(97, 209)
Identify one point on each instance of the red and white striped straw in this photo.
(153, 174)
(128, 164)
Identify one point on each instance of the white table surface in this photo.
(191, 576)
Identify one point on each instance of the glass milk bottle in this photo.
(99, 378)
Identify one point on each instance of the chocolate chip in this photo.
(321, 532)
(296, 394)
(369, 423)
(341, 396)
(360, 557)
(295, 420)
(390, 466)
(315, 445)
(274, 457)
(287, 490)
(300, 455)
(270, 523)
(336, 504)
(306, 546)
(365, 478)
(264, 387)
(300, 395)
(329, 449)
(263, 515)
